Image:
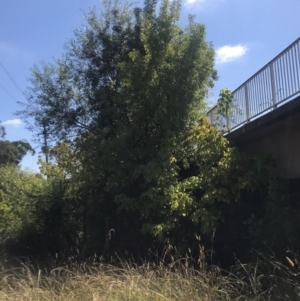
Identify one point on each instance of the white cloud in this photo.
(229, 53)
(189, 2)
(201, 5)
(12, 122)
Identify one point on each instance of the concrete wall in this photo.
(276, 134)
(284, 147)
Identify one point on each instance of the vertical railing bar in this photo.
(279, 81)
(244, 98)
(259, 93)
(254, 94)
(285, 75)
(275, 77)
(242, 107)
(289, 69)
(270, 86)
(245, 108)
(247, 102)
(244, 94)
(266, 85)
(228, 117)
(282, 76)
(273, 86)
(252, 100)
(238, 117)
(234, 117)
(282, 91)
(271, 66)
(262, 91)
(243, 103)
(253, 97)
(275, 83)
(298, 59)
(249, 97)
(293, 72)
(279, 84)
(297, 65)
(235, 99)
(232, 111)
(256, 99)
(296, 70)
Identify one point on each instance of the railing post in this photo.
(274, 98)
(247, 103)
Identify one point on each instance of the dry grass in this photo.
(149, 282)
(105, 282)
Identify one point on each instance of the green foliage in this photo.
(224, 106)
(189, 192)
(127, 73)
(19, 191)
(124, 108)
(13, 152)
(225, 102)
(277, 224)
(37, 216)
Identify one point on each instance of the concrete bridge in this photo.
(265, 113)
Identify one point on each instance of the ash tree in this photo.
(126, 103)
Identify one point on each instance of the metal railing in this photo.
(275, 83)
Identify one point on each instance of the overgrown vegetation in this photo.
(132, 165)
(264, 280)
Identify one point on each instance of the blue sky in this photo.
(246, 35)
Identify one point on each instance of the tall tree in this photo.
(125, 103)
(127, 69)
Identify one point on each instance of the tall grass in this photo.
(177, 280)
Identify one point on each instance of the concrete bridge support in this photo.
(277, 134)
